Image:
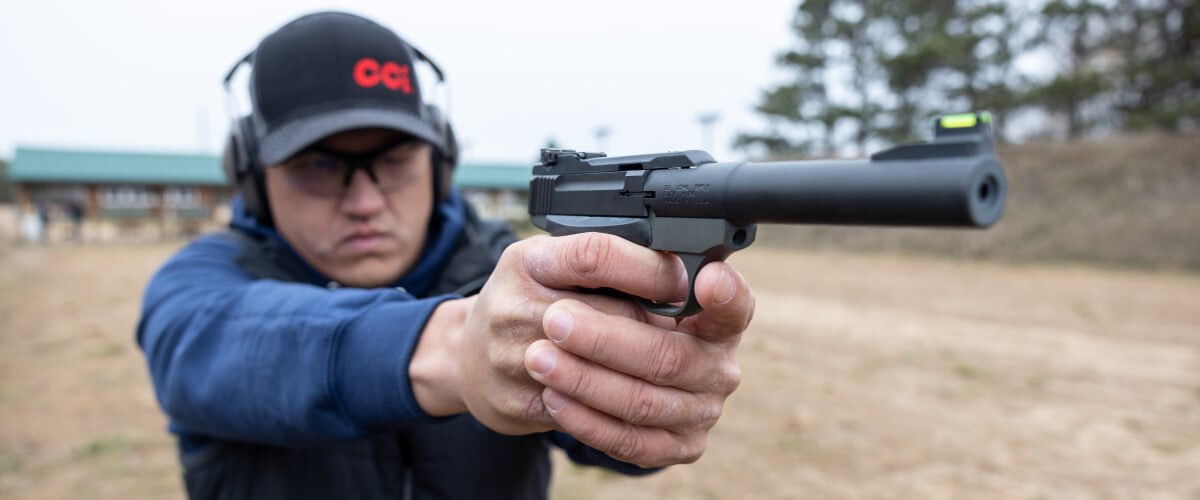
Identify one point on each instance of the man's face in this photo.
(360, 235)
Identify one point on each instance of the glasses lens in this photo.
(326, 173)
(316, 173)
(395, 168)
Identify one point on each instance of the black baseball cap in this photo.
(331, 72)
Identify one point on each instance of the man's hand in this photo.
(644, 392)
(637, 386)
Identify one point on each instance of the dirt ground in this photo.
(865, 376)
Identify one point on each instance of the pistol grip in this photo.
(697, 241)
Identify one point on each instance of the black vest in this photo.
(452, 458)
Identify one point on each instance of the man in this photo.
(360, 333)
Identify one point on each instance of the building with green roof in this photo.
(498, 190)
(119, 185)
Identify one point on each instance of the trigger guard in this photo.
(692, 263)
(688, 308)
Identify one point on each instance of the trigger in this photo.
(690, 306)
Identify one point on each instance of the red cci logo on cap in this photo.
(369, 73)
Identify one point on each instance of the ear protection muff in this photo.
(445, 159)
(240, 159)
(240, 162)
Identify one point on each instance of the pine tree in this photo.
(1076, 32)
(877, 71)
(1158, 81)
(834, 38)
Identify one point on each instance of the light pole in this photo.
(601, 134)
(707, 120)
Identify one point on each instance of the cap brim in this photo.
(287, 140)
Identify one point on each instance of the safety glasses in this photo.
(325, 173)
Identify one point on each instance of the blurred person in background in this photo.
(75, 215)
(31, 223)
(43, 215)
(359, 332)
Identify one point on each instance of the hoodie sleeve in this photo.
(272, 362)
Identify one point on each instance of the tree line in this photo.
(864, 73)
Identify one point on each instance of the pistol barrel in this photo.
(958, 191)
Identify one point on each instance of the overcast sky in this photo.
(146, 75)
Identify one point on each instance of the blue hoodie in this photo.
(293, 364)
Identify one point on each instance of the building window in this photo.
(178, 197)
(125, 197)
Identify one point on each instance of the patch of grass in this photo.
(598, 473)
(872, 366)
(107, 349)
(793, 442)
(1170, 448)
(1133, 424)
(968, 372)
(605, 474)
(104, 446)
(10, 463)
(1085, 311)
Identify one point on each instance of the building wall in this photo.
(125, 210)
(504, 204)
